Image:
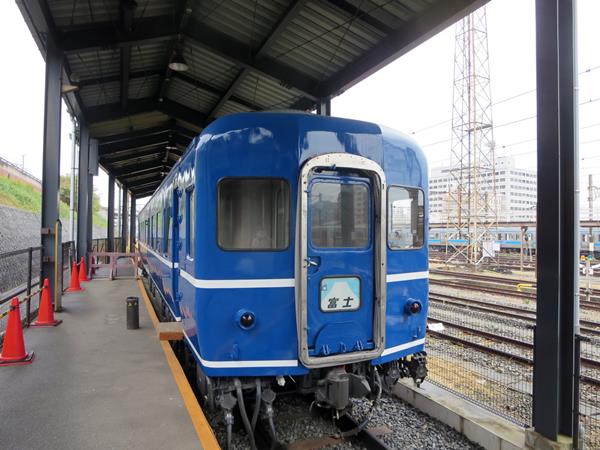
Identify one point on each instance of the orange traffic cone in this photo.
(13, 351)
(74, 285)
(46, 312)
(82, 271)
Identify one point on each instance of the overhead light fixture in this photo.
(68, 88)
(178, 63)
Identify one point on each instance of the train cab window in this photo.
(253, 214)
(339, 215)
(405, 218)
(190, 216)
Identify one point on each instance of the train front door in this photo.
(341, 225)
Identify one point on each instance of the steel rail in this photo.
(594, 305)
(502, 339)
(589, 327)
(366, 437)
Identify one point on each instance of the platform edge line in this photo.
(199, 421)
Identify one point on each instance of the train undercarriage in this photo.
(331, 388)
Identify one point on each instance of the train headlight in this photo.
(413, 306)
(246, 319)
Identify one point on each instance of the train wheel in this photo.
(205, 386)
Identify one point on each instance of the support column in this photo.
(110, 231)
(82, 192)
(324, 107)
(92, 171)
(132, 225)
(90, 218)
(51, 166)
(124, 212)
(558, 213)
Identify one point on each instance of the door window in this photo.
(339, 215)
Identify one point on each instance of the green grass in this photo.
(20, 195)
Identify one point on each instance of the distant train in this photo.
(509, 240)
(293, 248)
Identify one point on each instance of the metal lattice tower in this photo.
(472, 204)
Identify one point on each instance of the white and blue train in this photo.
(293, 248)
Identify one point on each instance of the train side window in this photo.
(406, 218)
(253, 214)
(159, 233)
(182, 220)
(151, 235)
(168, 231)
(190, 216)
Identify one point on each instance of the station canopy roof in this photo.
(241, 55)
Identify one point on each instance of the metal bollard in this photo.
(133, 313)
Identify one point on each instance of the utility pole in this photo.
(590, 204)
(472, 201)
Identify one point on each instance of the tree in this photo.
(65, 193)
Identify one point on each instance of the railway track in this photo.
(464, 285)
(508, 355)
(588, 327)
(469, 330)
(350, 432)
(497, 280)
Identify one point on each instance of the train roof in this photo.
(304, 129)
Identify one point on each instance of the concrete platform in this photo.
(94, 384)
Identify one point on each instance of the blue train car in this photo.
(293, 248)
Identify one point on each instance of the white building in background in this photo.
(516, 191)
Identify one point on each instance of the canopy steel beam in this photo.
(127, 11)
(117, 78)
(179, 75)
(113, 111)
(105, 35)
(51, 167)
(557, 234)
(290, 13)
(151, 166)
(215, 91)
(143, 141)
(360, 15)
(237, 52)
(143, 193)
(147, 132)
(136, 180)
(401, 41)
(133, 158)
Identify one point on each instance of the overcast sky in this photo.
(412, 94)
